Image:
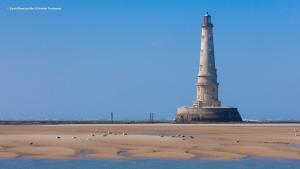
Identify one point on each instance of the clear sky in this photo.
(133, 57)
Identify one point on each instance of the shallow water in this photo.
(294, 146)
(250, 163)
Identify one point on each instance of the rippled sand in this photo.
(175, 141)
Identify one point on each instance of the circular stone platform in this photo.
(207, 114)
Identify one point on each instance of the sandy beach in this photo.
(174, 141)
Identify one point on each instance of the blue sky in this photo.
(134, 57)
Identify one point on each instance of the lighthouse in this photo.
(207, 106)
(207, 84)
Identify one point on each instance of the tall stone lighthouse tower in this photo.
(207, 85)
(207, 106)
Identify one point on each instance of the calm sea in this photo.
(250, 163)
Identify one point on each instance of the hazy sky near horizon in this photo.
(132, 57)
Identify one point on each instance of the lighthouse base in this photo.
(207, 114)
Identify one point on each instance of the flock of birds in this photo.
(93, 135)
(183, 137)
(125, 133)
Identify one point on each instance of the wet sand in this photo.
(173, 141)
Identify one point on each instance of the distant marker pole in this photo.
(112, 117)
(151, 118)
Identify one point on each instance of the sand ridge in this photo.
(126, 141)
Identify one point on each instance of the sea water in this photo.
(248, 163)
